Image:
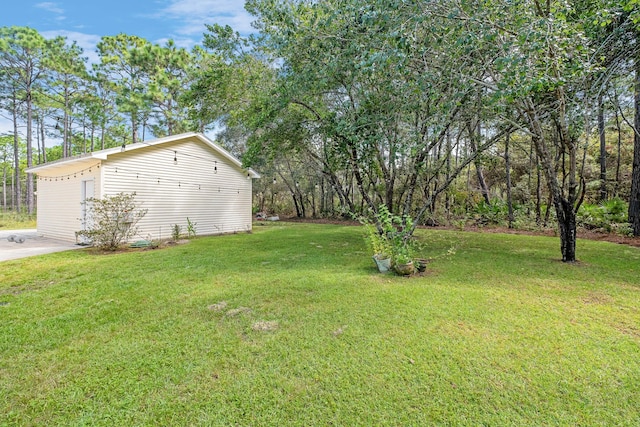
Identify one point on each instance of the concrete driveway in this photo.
(31, 244)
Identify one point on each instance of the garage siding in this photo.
(59, 196)
(181, 180)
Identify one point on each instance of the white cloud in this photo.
(53, 8)
(185, 43)
(6, 126)
(87, 42)
(193, 14)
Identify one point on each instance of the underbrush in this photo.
(610, 216)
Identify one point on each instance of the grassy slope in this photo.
(499, 334)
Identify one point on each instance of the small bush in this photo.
(191, 228)
(112, 220)
(176, 232)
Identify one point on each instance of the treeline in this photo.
(440, 110)
(432, 108)
(50, 92)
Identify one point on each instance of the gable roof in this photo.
(90, 158)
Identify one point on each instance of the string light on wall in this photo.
(69, 175)
(185, 154)
(142, 177)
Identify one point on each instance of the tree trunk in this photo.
(42, 137)
(564, 206)
(603, 150)
(4, 188)
(538, 189)
(134, 129)
(66, 152)
(38, 140)
(477, 163)
(618, 155)
(634, 197)
(447, 200)
(567, 229)
(103, 129)
(16, 159)
(30, 186)
(93, 132)
(295, 202)
(507, 166)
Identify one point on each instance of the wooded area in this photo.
(521, 112)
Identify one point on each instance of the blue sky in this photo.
(156, 20)
(86, 21)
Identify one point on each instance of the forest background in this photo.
(519, 113)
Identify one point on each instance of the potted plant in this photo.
(380, 246)
(402, 254)
(403, 265)
(391, 241)
(421, 264)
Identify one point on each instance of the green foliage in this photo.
(607, 216)
(390, 235)
(496, 212)
(191, 228)
(176, 232)
(112, 220)
(377, 241)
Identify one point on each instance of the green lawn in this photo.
(13, 221)
(501, 333)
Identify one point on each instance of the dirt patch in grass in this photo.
(597, 298)
(218, 306)
(265, 325)
(628, 329)
(19, 289)
(237, 311)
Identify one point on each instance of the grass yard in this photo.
(293, 326)
(11, 221)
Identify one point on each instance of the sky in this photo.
(84, 21)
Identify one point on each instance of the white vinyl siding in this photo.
(216, 201)
(174, 178)
(59, 196)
